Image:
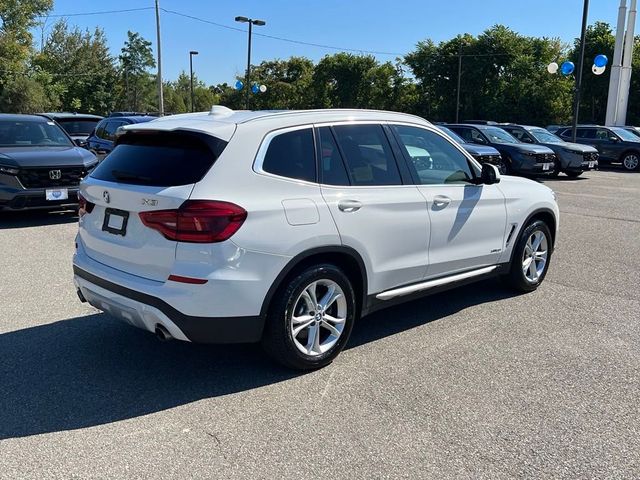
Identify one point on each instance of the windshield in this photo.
(625, 134)
(498, 135)
(544, 136)
(78, 127)
(452, 134)
(32, 134)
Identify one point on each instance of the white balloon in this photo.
(552, 67)
(598, 70)
(263, 88)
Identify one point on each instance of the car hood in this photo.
(479, 150)
(523, 148)
(523, 187)
(575, 147)
(45, 156)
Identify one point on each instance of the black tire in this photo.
(626, 164)
(573, 174)
(278, 341)
(516, 279)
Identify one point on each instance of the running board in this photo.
(398, 292)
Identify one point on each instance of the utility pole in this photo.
(458, 88)
(247, 85)
(160, 95)
(576, 100)
(191, 54)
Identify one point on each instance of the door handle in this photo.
(348, 206)
(441, 201)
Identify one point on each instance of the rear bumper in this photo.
(147, 311)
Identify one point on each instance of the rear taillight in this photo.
(197, 221)
(84, 206)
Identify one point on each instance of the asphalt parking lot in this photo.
(472, 383)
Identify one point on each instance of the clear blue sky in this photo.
(379, 25)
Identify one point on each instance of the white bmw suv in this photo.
(285, 227)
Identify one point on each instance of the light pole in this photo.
(191, 54)
(251, 22)
(576, 100)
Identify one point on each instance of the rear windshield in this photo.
(78, 127)
(160, 159)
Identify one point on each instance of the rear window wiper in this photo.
(129, 176)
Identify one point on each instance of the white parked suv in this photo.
(285, 227)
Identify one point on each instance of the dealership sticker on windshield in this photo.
(56, 194)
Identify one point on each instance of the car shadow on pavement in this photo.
(36, 218)
(94, 370)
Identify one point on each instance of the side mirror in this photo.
(479, 140)
(526, 140)
(613, 139)
(490, 174)
(80, 143)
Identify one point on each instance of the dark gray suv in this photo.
(40, 166)
(615, 144)
(572, 158)
(520, 158)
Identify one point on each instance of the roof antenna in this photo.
(220, 111)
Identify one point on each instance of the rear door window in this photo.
(110, 129)
(160, 159)
(367, 154)
(292, 155)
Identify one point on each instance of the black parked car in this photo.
(40, 166)
(520, 158)
(571, 158)
(100, 142)
(615, 144)
(78, 125)
(482, 153)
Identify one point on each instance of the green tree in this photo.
(82, 66)
(177, 95)
(288, 84)
(17, 17)
(136, 82)
(599, 39)
(503, 77)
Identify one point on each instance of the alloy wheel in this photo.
(630, 161)
(318, 317)
(534, 256)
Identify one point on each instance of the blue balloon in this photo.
(600, 60)
(567, 68)
(239, 85)
(255, 88)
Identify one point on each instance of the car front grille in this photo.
(545, 157)
(590, 156)
(488, 158)
(46, 177)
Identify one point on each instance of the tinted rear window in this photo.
(292, 155)
(78, 127)
(156, 159)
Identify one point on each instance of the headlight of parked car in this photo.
(9, 170)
